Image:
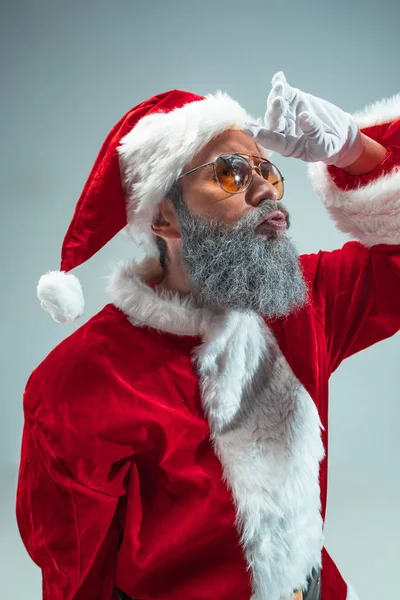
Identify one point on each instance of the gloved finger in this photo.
(278, 90)
(281, 88)
(266, 138)
(279, 76)
(274, 118)
(311, 126)
(277, 83)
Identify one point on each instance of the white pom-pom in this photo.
(61, 295)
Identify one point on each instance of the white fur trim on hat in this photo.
(61, 295)
(370, 213)
(153, 154)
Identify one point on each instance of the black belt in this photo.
(123, 596)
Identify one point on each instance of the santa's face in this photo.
(205, 198)
(232, 262)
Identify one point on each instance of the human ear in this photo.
(165, 222)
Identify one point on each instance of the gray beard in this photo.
(233, 267)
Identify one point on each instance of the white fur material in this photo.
(152, 155)
(61, 295)
(144, 306)
(370, 213)
(266, 432)
(264, 426)
(351, 593)
(382, 111)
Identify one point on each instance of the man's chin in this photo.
(270, 308)
(273, 236)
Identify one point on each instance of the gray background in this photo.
(69, 71)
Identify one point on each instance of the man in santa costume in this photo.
(174, 446)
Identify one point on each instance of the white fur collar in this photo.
(165, 311)
(266, 433)
(264, 426)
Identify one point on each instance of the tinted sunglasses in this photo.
(234, 173)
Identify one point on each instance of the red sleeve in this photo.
(367, 206)
(356, 288)
(356, 291)
(76, 459)
(70, 531)
(386, 134)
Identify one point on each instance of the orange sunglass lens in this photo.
(274, 176)
(232, 172)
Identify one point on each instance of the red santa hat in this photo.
(141, 158)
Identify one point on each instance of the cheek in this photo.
(212, 202)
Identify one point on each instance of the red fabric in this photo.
(116, 441)
(100, 212)
(353, 306)
(119, 484)
(388, 135)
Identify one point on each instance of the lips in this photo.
(273, 221)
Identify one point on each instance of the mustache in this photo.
(248, 222)
(253, 218)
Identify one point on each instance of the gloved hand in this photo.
(299, 125)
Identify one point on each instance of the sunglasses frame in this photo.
(263, 160)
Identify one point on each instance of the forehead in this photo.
(228, 141)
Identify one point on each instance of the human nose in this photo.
(260, 189)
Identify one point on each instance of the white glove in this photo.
(303, 126)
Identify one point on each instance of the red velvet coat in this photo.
(121, 481)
